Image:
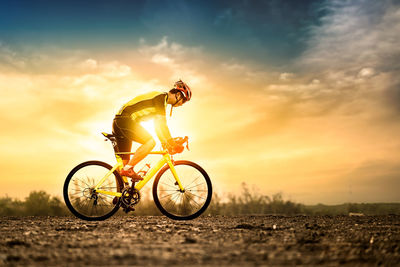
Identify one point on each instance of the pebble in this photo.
(206, 241)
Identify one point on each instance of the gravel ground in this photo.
(209, 240)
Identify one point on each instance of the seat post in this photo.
(113, 140)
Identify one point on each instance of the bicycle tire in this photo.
(174, 214)
(69, 199)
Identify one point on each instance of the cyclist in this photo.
(126, 125)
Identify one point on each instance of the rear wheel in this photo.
(189, 203)
(79, 194)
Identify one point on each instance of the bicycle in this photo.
(94, 190)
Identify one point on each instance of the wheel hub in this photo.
(87, 192)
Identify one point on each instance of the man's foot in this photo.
(132, 174)
(128, 209)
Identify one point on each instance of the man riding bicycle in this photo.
(126, 125)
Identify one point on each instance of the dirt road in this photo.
(218, 240)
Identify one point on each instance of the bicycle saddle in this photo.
(110, 137)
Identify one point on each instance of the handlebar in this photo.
(178, 145)
(182, 140)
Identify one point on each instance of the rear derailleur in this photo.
(130, 197)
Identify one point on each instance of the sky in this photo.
(294, 97)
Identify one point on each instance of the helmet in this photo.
(184, 89)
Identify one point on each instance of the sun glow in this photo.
(149, 126)
(175, 125)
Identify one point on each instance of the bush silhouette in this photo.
(252, 202)
(39, 203)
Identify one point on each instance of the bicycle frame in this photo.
(166, 159)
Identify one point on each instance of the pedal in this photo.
(135, 180)
(128, 209)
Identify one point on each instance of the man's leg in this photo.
(133, 131)
(139, 135)
(142, 152)
(120, 128)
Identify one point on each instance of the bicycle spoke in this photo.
(110, 187)
(91, 210)
(73, 189)
(110, 182)
(105, 202)
(193, 181)
(97, 209)
(108, 196)
(194, 186)
(198, 190)
(77, 179)
(87, 205)
(170, 200)
(196, 195)
(193, 200)
(171, 178)
(169, 195)
(168, 185)
(77, 194)
(100, 209)
(88, 179)
(173, 202)
(165, 190)
(101, 205)
(183, 204)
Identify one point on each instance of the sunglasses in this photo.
(182, 98)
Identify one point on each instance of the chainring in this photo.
(130, 197)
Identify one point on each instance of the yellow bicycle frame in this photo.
(166, 159)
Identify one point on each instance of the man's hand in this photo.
(175, 145)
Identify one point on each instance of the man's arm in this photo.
(161, 127)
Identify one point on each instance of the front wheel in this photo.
(189, 203)
(81, 198)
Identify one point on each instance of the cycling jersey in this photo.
(126, 125)
(144, 106)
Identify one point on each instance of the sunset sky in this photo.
(297, 97)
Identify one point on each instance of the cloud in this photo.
(303, 123)
(50, 98)
(352, 58)
(286, 76)
(9, 59)
(366, 72)
(234, 66)
(354, 34)
(161, 59)
(180, 61)
(341, 94)
(89, 64)
(56, 113)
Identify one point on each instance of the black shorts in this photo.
(126, 130)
